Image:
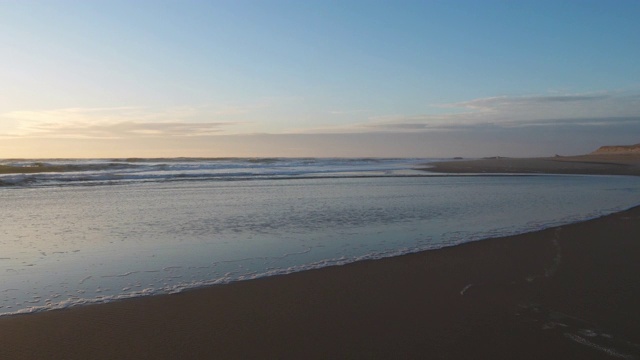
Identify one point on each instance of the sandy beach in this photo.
(560, 293)
(583, 164)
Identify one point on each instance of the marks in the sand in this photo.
(550, 270)
(464, 289)
(579, 331)
(630, 218)
(608, 351)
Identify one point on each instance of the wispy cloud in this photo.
(594, 109)
(591, 109)
(120, 122)
(125, 129)
(347, 112)
(497, 102)
(132, 121)
(425, 126)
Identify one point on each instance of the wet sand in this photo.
(561, 293)
(584, 164)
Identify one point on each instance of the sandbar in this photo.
(583, 164)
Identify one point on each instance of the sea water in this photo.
(105, 230)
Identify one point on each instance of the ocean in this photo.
(78, 232)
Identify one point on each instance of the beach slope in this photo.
(565, 292)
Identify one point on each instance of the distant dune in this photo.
(617, 150)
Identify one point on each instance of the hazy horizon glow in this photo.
(284, 78)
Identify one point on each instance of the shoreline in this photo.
(562, 292)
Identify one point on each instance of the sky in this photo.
(325, 78)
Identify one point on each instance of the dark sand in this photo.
(571, 292)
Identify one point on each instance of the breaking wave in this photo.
(65, 172)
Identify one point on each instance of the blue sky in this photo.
(317, 78)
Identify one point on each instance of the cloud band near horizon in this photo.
(595, 110)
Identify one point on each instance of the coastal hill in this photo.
(617, 150)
